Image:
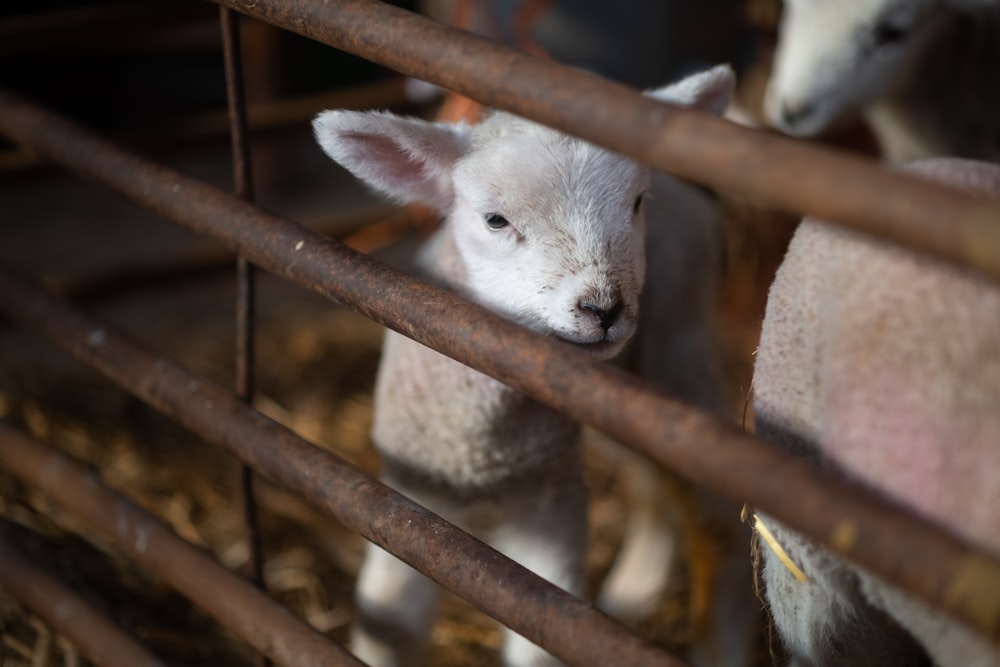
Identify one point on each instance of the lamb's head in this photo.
(835, 57)
(549, 229)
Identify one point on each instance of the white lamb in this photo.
(548, 231)
(885, 364)
(924, 73)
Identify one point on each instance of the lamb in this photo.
(923, 73)
(885, 364)
(547, 231)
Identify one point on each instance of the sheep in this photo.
(548, 231)
(923, 73)
(884, 364)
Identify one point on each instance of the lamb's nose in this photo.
(793, 114)
(605, 316)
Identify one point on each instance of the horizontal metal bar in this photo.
(787, 174)
(93, 633)
(568, 627)
(249, 613)
(891, 542)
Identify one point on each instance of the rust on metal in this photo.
(787, 174)
(568, 627)
(93, 633)
(263, 623)
(891, 542)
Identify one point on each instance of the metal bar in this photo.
(229, 22)
(932, 564)
(568, 627)
(93, 633)
(248, 612)
(785, 173)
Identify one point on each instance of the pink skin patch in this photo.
(918, 449)
(887, 436)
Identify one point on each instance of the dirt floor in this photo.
(315, 371)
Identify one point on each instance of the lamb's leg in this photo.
(396, 604)
(546, 532)
(641, 571)
(668, 515)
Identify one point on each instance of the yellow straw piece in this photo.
(778, 550)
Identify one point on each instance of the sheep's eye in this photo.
(637, 204)
(496, 221)
(888, 32)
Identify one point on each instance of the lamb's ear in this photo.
(709, 91)
(407, 159)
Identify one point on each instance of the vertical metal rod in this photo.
(245, 275)
(93, 633)
(236, 99)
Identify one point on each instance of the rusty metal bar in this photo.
(229, 23)
(568, 627)
(934, 565)
(785, 173)
(248, 612)
(97, 637)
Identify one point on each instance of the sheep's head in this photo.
(550, 229)
(835, 57)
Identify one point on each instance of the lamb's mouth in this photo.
(600, 348)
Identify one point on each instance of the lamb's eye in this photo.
(889, 32)
(496, 221)
(637, 204)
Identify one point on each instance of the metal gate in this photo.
(888, 541)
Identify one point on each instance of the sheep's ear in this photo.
(709, 91)
(408, 159)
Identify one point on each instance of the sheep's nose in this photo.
(793, 114)
(605, 316)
